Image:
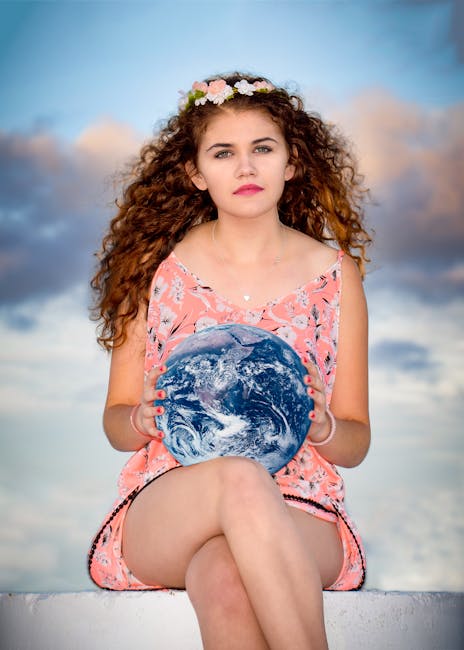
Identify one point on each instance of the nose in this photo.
(245, 165)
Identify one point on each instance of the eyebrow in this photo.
(224, 145)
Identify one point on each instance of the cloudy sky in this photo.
(83, 85)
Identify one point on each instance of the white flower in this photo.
(253, 317)
(300, 321)
(204, 322)
(221, 96)
(216, 99)
(159, 288)
(177, 290)
(201, 101)
(167, 318)
(245, 88)
(302, 297)
(287, 334)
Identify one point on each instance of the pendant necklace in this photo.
(276, 261)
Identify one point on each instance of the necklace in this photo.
(276, 261)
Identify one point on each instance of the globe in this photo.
(234, 390)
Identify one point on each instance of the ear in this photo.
(290, 169)
(195, 176)
(289, 172)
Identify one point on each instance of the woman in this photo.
(226, 220)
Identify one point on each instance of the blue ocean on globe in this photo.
(234, 390)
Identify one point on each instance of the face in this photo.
(242, 162)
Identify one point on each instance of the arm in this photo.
(349, 402)
(126, 388)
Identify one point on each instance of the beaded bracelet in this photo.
(333, 428)
(134, 426)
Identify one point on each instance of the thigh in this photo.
(323, 542)
(160, 530)
(177, 513)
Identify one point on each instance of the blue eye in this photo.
(263, 148)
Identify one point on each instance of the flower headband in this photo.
(218, 91)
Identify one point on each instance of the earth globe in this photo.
(234, 390)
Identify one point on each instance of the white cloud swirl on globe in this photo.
(234, 390)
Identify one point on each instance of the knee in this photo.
(248, 500)
(213, 582)
(244, 481)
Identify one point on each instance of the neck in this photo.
(248, 242)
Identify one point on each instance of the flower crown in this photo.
(218, 91)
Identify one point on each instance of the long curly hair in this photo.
(159, 204)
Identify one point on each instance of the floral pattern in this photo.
(307, 319)
(218, 91)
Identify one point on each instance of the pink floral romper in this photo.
(180, 304)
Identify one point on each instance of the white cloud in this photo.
(57, 364)
(107, 145)
(406, 500)
(45, 535)
(53, 377)
(415, 540)
(437, 330)
(413, 159)
(55, 207)
(392, 137)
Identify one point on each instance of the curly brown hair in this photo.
(159, 204)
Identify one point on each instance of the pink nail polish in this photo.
(307, 379)
(159, 410)
(160, 394)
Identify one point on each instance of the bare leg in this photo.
(175, 516)
(223, 609)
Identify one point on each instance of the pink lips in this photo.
(248, 190)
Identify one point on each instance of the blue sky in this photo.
(83, 84)
(79, 60)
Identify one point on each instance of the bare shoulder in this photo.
(194, 242)
(193, 235)
(351, 275)
(353, 299)
(315, 256)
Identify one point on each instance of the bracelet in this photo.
(333, 428)
(134, 426)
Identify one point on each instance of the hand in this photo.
(320, 421)
(145, 415)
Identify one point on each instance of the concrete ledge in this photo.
(98, 620)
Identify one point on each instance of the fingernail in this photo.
(160, 394)
(305, 359)
(159, 410)
(307, 379)
(162, 368)
(311, 391)
(160, 435)
(312, 415)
